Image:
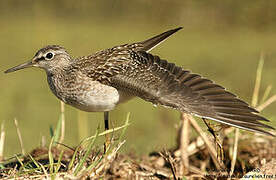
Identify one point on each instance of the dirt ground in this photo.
(256, 158)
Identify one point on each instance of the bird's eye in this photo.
(49, 56)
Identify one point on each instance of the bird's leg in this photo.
(106, 124)
(106, 127)
(217, 138)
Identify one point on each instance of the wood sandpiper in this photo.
(98, 82)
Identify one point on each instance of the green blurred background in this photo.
(221, 40)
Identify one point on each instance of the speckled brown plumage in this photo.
(100, 81)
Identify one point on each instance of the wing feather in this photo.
(164, 83)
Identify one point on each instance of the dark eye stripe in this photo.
(40, 59)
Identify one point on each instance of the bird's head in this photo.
(48, 58)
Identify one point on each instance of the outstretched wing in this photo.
(131, 69)
(160, 82)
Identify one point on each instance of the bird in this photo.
(100, 81)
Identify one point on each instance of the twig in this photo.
(19, 136)
(68, 147)
(258, 81)
(184, 143)
(167, 157)
(267, 103)
(235, 151)
(209, 145)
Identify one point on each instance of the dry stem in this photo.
(267, 103)
(62, 122)
(19, 136)
(258, 81)
(184, 142)
(2, 141)
(235, 152)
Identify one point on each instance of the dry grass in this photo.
(158, 165)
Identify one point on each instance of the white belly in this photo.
(97, 98)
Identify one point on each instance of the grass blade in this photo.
(59, 162)
(124, 127)
(20, 162)
(89, 149)
(57, 133)
(34, 161)
(105, 132)
(73, 158)
(51, 159)
(94, 163)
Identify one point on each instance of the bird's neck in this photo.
(57, 79)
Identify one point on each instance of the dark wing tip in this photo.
(151, 43)
(177, 29)
(174, 30)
